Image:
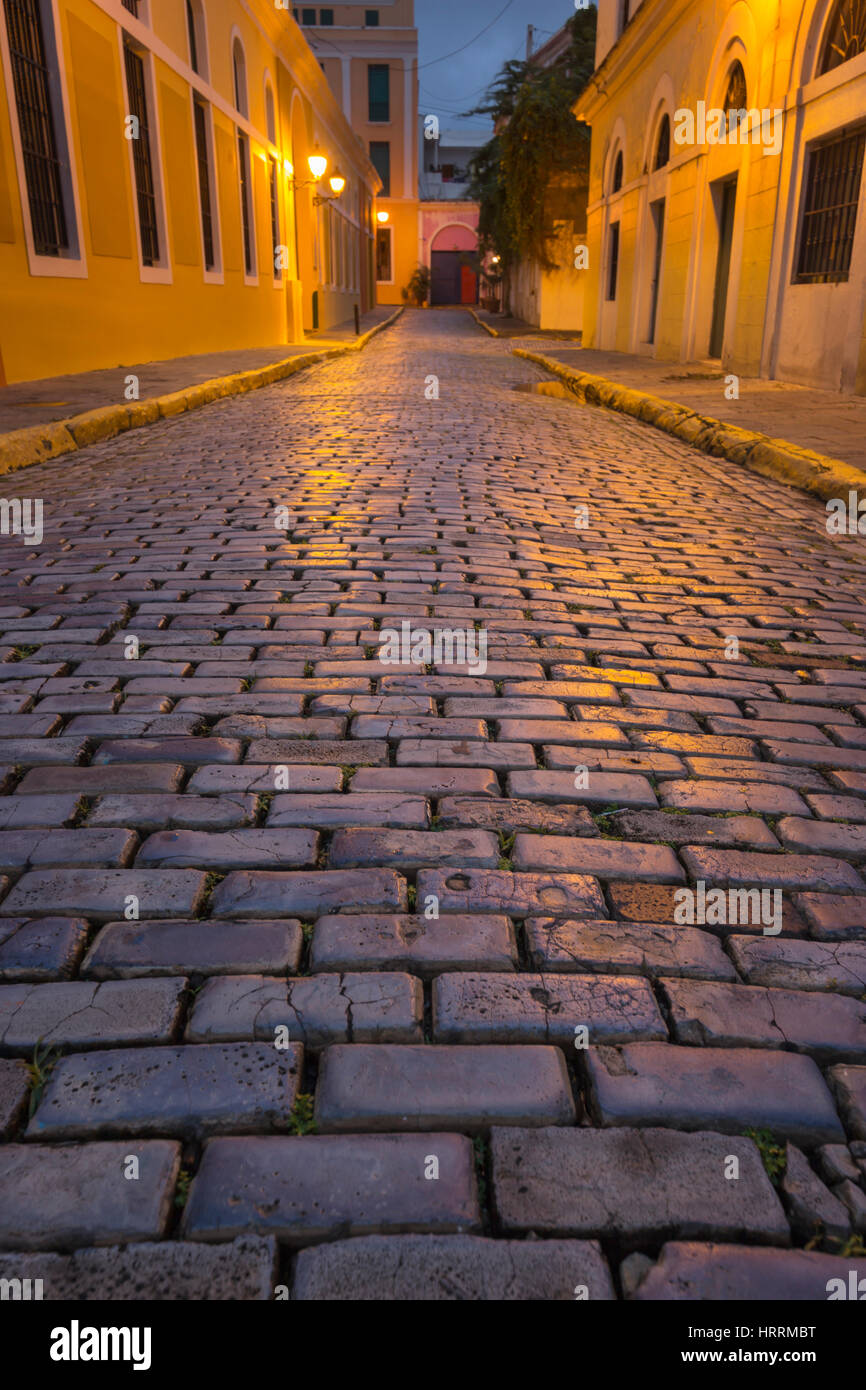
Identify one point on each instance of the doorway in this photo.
(452, 280)
(725, 199)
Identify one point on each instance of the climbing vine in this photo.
(539, 152)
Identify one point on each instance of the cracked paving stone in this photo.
(235, 849)
(173, 1271)
(81, 1014)
(733, 832)
(475, 1007)
(104, 894)
(414, 849)
(304, 1190)
(743, 869)
(259, 894)
(633, 1185)
(450, 1269)
(66, 849)
(811, 965)
(381, 810)
(832, 1027)
(514, 895)
(659, 1084)
(149, 813)
(173, 1092)
(420, 1088)
(215, 780)
(316, 1010)
(77, 1194)
(43, 948)
(625, 948)
(601, 858)
(513, 814)
(740, 1273)
(126, 950)
(415, 944)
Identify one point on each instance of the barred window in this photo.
(132, 6)
(204, 183)
(846, 36)
(613, 262)
(246, 202)
(32, 79)
(832, 191)
(275, 216)
(145, 187)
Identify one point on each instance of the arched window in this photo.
(736, 95)
(195, 31)
(663, 144)
(239, 70)
(616, 180)
(846, 35)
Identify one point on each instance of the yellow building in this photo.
(155, 193)
(727, 204)
(369, 55)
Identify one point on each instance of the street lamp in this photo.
(317, 164)
(382, 217)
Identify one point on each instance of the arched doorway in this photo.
(453, 260)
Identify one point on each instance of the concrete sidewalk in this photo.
(56, 398)
(827, 421)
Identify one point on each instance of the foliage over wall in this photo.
(538, 147)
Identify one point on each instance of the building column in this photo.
(410, 129)
(347, 88)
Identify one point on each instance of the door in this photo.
(445, 277)
(726, 203)
(468, 285)
(658, 221)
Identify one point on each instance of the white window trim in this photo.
(390, 231)
(216, 276)
(74, 265)
(160, 274)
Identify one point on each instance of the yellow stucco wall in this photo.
(114, 312)
(673, 55)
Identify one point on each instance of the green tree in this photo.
(538, 150)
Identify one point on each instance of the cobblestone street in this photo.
(360, 978)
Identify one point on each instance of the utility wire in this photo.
(464, 46)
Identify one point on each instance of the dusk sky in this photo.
(457, 83)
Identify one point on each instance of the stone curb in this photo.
(38, 443)
(494, 332)
(773, 458)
